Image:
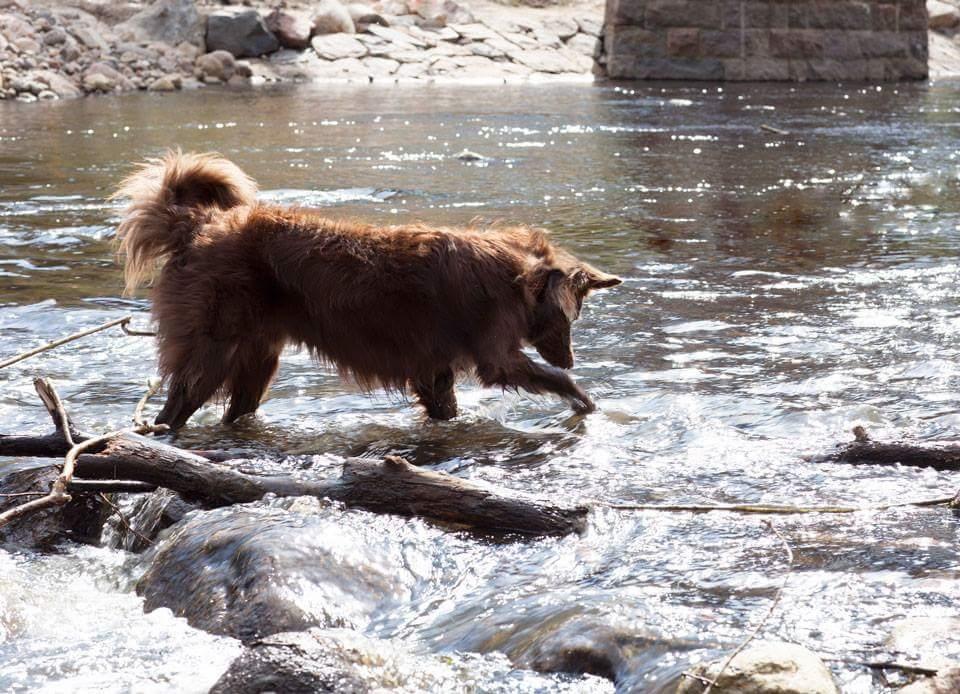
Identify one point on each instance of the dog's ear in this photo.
(586, 278)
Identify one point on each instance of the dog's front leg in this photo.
(437, 395)
(179, 406)
(522, 372)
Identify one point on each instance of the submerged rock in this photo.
(766, 668)
(80, 520)
(253, 570)
(343, 661)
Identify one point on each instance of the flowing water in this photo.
(779, 289)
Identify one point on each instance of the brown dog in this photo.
(390, 306)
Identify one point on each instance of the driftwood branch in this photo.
(384, 486)
(865, 451)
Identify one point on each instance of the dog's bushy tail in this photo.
(167, 198)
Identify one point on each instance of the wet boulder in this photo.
(243, 34)
(170, 21)
(340, 660)
(253, 570)
(80, 520)
(295, 662)
(766, 668)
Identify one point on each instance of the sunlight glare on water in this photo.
(779, 289)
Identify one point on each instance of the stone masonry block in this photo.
(683, 13)
(683, 43)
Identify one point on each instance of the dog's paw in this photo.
(583, 405)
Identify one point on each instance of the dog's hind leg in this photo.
(519, 371)
(251, 372)
(436, 394)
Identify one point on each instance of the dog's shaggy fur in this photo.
(391, 307)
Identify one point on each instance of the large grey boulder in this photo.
(259, 569)
(243, 34)
(170, 21)
(766, 668)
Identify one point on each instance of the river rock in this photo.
(292, 29)
(589, 24)
(217, 65)
(543, 60)
(80, 520)
(243, 34)
(102, 77)
(337, 46)
(363, 16)
(14, 27)
(166, 83)
(170, 21)
(338, 660)
(766, 668)
(561, 27)
(584, 44)
(929, 640)
(942, 15)
(259, 569)
(945, 682)
(331, 17)
(61, 86)
(439, 13)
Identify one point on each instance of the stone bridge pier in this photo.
(782, 40)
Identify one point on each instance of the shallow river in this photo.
(779, 289)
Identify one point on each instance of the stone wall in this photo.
(784, 40)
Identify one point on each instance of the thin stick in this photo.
(123, 519)
(136, 333)
(63, 341)
(774, 509)
(153, 385)
(23, 494)
(773, 605)
(775, 131)
(885, 665)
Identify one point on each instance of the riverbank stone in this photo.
(170, 21)
(243, 34)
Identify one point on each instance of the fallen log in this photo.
(390, 485)
(865, 451)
